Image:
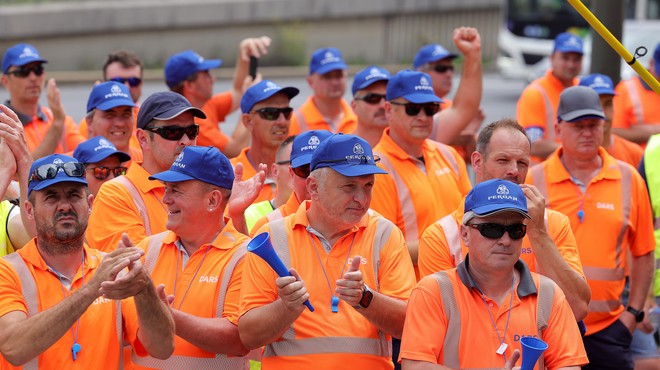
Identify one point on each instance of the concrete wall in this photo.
(77, 36)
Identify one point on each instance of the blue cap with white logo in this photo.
(431, 53)
(262, 91)
(413, 86)
(568, 43)
(325, 60)
(108, 95)
(58, 160)
(20, 55)
(186, 63)
(97, 149)
(305, 144)
(206, 164)
(601, 83)
(349, 155)
(495, 196)
(368, 76)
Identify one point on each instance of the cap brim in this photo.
(368, 83)
(605, 91)
(422, 98)
(350, 170)
(570, 50)
(582, 113)
(301, 160)
(175, 112)
(123, 157)
(115, 103)
(331, 67)
(209, 64)
(25, 61)
(171, 176)
(492, 209)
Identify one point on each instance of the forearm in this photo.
(265, 324)
(23, 170)
(386, 313)
(216, 335)
(50, 141)
(156, 325)
(639, 133)
(553, 265)
(543, 148)
(641, 275)
(26, 339)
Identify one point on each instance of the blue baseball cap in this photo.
(495, 196)
(97, 149)
(164, 106)
(568, 43)
(431, 53)
(262, 91)
(325, 60)
(206, 164)
(60, 176)
(349, 155)
(20, 55)
(108, 95)
(305, 144)
(601, 83)
(368, 76)
(182, 65)
(413, 86)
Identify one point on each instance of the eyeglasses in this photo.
(273, 114)
(132, 81)
(371, 98)
(102, 173)
(302, 171)
(492, 230)
(413, 109)
(442, 68)
(24, 71)
(282, 163)
(49, 171)
(175, 132)
(353, 160)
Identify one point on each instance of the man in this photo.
(200, 262)
(537, 106)
(452, 314)
(110, 114)
(47, 130)
(637, 106)
(608, 207)
(302, 148)
(189, 74)
(102, 161)
(283, 181)
(369, 87)
(60, 296)
(133, 204)
(356, 264)
(426, 179)
(549, 247)
(326, 109)
(266, 115)
(617, 146)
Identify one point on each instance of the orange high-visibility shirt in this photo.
(307, 117)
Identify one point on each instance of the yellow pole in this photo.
(615, 44)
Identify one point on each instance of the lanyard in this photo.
(503, 346)
(334, 302)
(76, 347)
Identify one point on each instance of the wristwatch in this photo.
(367, 296)
(639, 314)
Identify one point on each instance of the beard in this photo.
(58, 239)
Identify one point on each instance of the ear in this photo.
(557, 129)
(5, 81)
(29, 209)
(214, 199)
(142, 137)
(312, 187)
(465, 235)
(310, 81)
(247, 121)
(90, 202)
(353, 105)
(274, 171)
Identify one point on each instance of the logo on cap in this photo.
(375, 73)
(28, 53)
(178, 160)
(115, 91)
(437, 51)
(599, 82)
(358, 149)
(572, 41)
(502, 189)
(423, 84)
(104, 142)
(270, 86)
(57, 161)
(314, 141)
(330, 58)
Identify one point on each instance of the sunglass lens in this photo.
(373, 98)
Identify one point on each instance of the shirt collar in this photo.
(526, 284)
(24, 118)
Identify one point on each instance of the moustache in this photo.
(60, 215)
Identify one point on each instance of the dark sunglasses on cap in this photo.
(354, 160)
(102, 173)
(493, 230)
(442, 68)
(273, 114)
(132, 81)
(413, 109)
(302, 171)
(24, 71)
(173, 133)
(49, 171)
(371, 98)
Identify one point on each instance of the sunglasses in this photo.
(49, 171)
(173, 133)
(102, 173)
(413, 109)
(24, 71)
(442, 69)
(353, 160)
(492, 230)
(371, 98)
(132, 81)
(302, 171)
(272, 114)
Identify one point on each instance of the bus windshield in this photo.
(543, 19)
